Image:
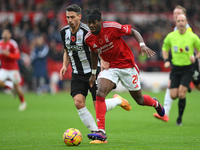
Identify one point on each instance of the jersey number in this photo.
(135, 79)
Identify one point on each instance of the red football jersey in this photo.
(9, 62)
(111, 46)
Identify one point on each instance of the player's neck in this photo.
(75, 29)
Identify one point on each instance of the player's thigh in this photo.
(104, 87)
(130, 79)
(79, 87)
(175, 80)
(169, 83)
(3, 74)
(14, 76)
(107, 80)
(186, 78)
(173, 93)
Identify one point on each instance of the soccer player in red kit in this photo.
(9, 54)
(105, 39)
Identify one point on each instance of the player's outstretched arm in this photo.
(144, 48)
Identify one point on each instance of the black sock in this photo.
(181, 107)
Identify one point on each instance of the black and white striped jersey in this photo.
(77, 50)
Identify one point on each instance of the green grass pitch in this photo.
(42, 125)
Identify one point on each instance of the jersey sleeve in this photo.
(89, 46)
(62, 33)
(14, 53)
(88, 41)
(120, 30)
(197, 42)
(166, 44)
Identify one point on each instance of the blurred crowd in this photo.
(40, 40)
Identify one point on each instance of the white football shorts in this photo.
(129, 77)
(13, 75)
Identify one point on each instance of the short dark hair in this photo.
(74, 8)
(94, 12)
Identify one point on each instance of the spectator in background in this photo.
(55, 50)
(38, 56)
(43, 24)
(56, 56)
(53, 34)
(9, 54)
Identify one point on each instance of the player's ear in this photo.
(80, 16)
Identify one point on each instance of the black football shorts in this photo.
(181, 75)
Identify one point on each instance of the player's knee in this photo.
(181, 95)
(79, 104)
(173, 96)
(100, 93)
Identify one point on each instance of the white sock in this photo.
(167, 102)
(112, 103)
(9, 84)
(102, 130)
(87, 119)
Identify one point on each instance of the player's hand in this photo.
(147, 50)
(62, 72)
(192, 59)
(167, 64)
(104, 65)
(92, 80)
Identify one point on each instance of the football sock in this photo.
(181, 106)
(21, 97)
(100, 112)
(87, 119)
(148, 101)
(112, 103)
(167, 102)
(102, 131)
(9, 84)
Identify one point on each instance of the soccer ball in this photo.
(72, 137)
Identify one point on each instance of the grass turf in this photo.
(42, 125)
